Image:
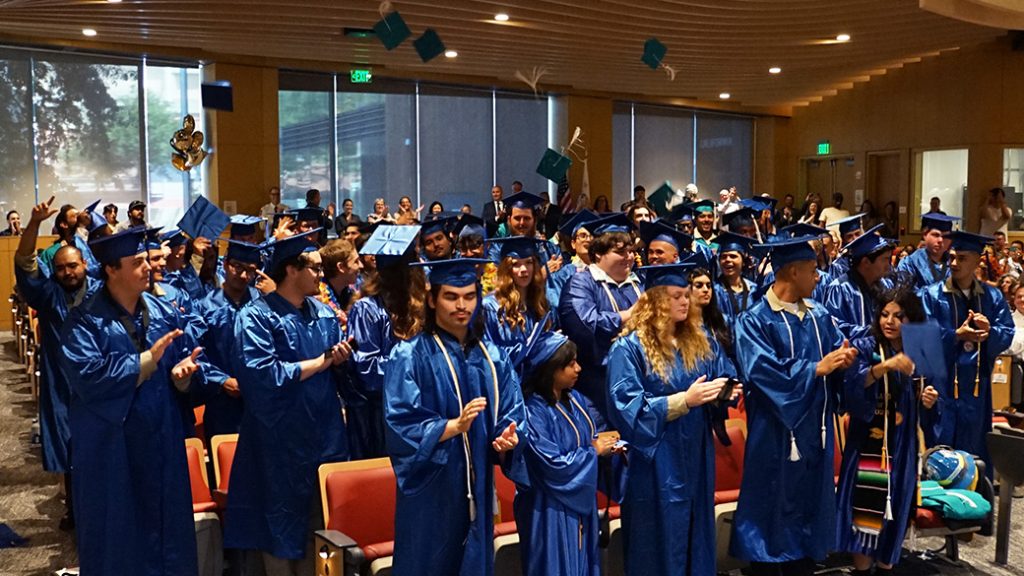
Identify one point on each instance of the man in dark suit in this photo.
(550, 217)
(494, 212)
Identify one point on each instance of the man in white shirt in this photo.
(273, 207)
(834, 212)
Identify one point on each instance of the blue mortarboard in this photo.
(760, 203)
(91, 208)
(457, 272)
(869, 242)
(738, 216)
(967, 241)
(847, 225)
(244, 252)
(392, 30)
(173, 237)
(654, 52)
(110, 249)
(308, 214)
(788, 250)
(803, 229)
(732, 242)
(518, 247)
(553, 165)
(389, 244)
(437, 223)
(278, 216)
(244, 225)
(578, 220)
(615, 222)
(660, 198)
(701, 206)
(292, 246)
(523, 200)
(153, 241)
(660, 231)
(681, 213)
(703, 257)
(203, 219)
(677, 274)
(469, 225)
(96, 221)
(428, 45)
(939, 222)
(538, 351)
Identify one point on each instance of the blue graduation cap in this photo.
(538, 351)
(110, 249)
(681, 213)
(173, 237)
(456, 272)
(518, 247)
(292, 246)
(203, 219)
(153, 241)
(677, 274)
(308, 214)
(868, 243)
(389, 244)
(967, 241)
(578, 220)
(392, 30)
(702, 257)
(785, 251)
(428, 45)
(659, 231)
(244, 252)
(244, 225)
(760, 203)
(437, 223)
(654, 52)
(847, 225)
(615, 222)
(939, 222)
(278, 216)
(553, 165)
(91, 208)
(469, 225)
(96, 221)
(740, 216)
(732, 242)
(523, 200)
(803, 229)
(701, 206)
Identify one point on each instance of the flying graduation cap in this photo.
(654, 53)
(553, 165)
(392, 30)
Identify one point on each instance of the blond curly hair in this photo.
(662, 338)
(510, 304)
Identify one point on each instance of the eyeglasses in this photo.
(583, 236)
(317, 269)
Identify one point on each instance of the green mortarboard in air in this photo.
(392, 30)
(553, 165)
(654, 51)
(660, 198)
(429, 45)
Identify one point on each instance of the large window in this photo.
(81, 127)
(306, 138)
(1013, 183)
(940, 174)
(456, 129)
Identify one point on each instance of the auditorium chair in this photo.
(358, 500)
(199, 412)
(929, 523)
(222, 452)
(507, 560)
(728, 477)
(209, 541)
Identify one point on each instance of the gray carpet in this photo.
(31, 501)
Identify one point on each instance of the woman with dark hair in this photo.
(706, 310)
(13, 224)
(518, 309)
(661, 374)
(870, 216)
(435, 208)
(557, 512)
(889, 403)
(734, 293)
(601, 205)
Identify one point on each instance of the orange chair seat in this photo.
(198, 507)
(505, 528)
(724, 496)
(379, 550)
(927, 519)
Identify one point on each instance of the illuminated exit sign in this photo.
(361, 76)
(824, 147)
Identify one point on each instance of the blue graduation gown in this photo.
(730, 303)
(824, 279)
(133, 504)
(195, 325)
(967, 413)
(588, 314)
(510, 340)
(668, 513)
(903, 449)
(187, 280)
(223, 413)
(557, 513)
(922, 270)
(853, 308)
(289, 427)
(786, 509)
(370, 326)
(53, 304)
(433, 531)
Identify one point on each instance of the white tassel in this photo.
(823, 444)
(888, 508)
(794, 454)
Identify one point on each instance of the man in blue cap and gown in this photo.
(792, 358)
(852, 297)
(452, 410)
(131, 355)
(847, 230)
(930, 264)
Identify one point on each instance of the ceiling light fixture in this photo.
(843, 38)
(113, 1)
(450, 54)
(88, 32)
(775, 70)
(501, 17)
(725, 95)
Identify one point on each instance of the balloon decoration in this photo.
(188, 146)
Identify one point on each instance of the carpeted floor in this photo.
(31, 502)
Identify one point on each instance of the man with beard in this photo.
(53, 298)
(68, 221)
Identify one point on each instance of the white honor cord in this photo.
(465, 435)
(794, 453)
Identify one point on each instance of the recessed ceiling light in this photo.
(725, 95)
(450, 53)
(88, 31)
(775, 70)
(114, 1)
(843, 38)
(501, 17)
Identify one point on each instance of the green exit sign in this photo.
(824, 147)
(361, 76)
